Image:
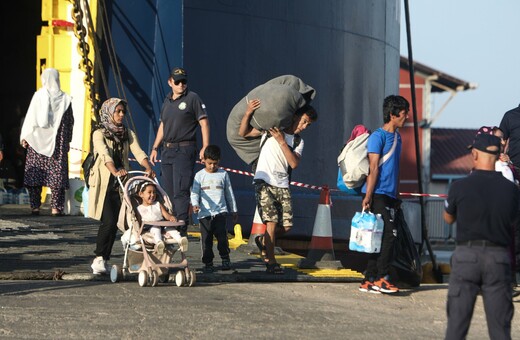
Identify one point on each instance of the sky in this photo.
(477, 41)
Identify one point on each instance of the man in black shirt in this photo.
(484, 205)
(182, 113)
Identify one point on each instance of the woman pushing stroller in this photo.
(112, 142)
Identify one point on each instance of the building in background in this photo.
(428, 82)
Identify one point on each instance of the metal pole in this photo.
(424, 229)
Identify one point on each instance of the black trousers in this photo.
(108, 229)
(485, 270)
(379, 263)
(177, 172)
(209, 227)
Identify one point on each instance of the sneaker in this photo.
(384, 286)
(159, 248)
(226, 264)
(183, 244)
(98, 266)
(368, 287)
(208, 268)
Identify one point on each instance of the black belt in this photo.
(478, 243)
(174, 145)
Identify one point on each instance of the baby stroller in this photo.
(140, 257)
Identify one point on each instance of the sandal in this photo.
(274, 268)
(259, 240)
(35, 211)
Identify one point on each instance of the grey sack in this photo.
(280, 98)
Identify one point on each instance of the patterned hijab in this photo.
(112, 131)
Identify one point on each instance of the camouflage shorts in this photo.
(274, 204)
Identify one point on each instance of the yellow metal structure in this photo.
(57, 47)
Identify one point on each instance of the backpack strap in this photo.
(389, 153)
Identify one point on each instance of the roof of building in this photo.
(443, 82)
(450, 157)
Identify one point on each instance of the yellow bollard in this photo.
(237, 241)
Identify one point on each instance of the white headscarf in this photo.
(45, 112)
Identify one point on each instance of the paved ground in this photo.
(243, 303)
(46, 247)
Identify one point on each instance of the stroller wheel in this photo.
(116, 273)
(154, 278)
(180, 278)
(192, 278)
(143, 278)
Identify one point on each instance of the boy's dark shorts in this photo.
(274, 204)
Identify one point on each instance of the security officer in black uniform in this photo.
(181, 113)
(484, 205)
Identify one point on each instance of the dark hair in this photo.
(392, 105)
(145, 185)
(212, 152)
(309, 111)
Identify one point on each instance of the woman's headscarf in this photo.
(106, 120)
(44, 114)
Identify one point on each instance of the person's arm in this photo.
(450, 219)
(245, 129)
(167, 216)
(139, 154)
(373, 160)
(204, 129)
(292, 157)
(195, 195)
(156, 144)
(148, 168)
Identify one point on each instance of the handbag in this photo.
(87, 165)
(366, 232)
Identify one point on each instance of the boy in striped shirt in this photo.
(212, 200)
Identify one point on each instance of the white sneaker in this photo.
(159, 248)
(99, 266)
(183, 244)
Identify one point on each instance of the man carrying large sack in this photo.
(280, 152)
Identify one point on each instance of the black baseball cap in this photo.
(486, 143)
(179, 74)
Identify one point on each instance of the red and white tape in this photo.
(299, 184)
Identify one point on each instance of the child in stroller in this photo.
(142, 255)
(152, 210)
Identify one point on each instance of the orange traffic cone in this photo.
(321, 249)
(258, 228)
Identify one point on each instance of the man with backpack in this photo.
(280, 152)
(380, 191)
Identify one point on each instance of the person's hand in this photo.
(252, 105)
(173, 219)
(150, 173)
(235, 217)
(1, 155)
(153, 157)
(365, 205)
(277, 134)
(504, 157)
(121, 173)
(196, 209)
(201, 154)
(24, 144)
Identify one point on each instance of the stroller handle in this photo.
(135, 172)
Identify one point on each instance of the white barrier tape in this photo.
(422, 195)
